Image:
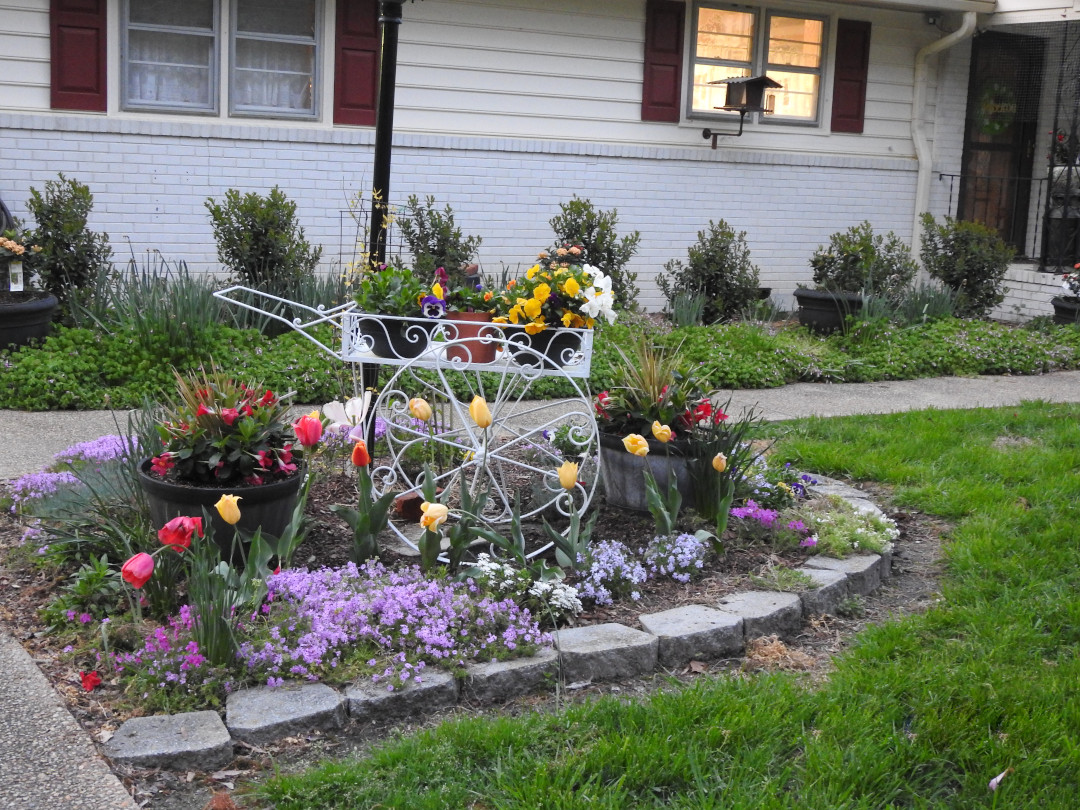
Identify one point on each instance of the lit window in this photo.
(731, 43)
(173, 54)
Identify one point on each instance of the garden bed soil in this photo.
(912, 589)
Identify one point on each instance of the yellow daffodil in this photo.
(419, 409)
(661, 432)
(478, 410)
(636, 444)
(227, 508)
(434, 515)
(568, 475)
(719, 462)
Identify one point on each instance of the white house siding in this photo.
(504, 111)
(24, 54)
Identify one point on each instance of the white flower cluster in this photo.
(507, 582)
(599, 299)
(560, 597)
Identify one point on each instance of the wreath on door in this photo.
(996, 110)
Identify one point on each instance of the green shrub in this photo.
(859, 261)
(969, 258)
(260, 241)
(436, 241)
(718, 268)
(72, 257)
(579, 223)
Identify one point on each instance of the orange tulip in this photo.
(360, 455)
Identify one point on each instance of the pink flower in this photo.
(203, 411)
(160, 465)
(229, 415)
(308, 430)
(138, 569)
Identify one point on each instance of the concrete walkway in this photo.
(47, 760)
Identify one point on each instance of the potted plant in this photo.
(224, 437)
(1067, 307)
(558, 294)
(658, 418)
(411, 311)
(857, 263)
(469, 307)
(25, 312)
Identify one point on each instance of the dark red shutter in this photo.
(356, 62)
(661, 94)
(77, 41)
(849, 81)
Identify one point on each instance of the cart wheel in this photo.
(516, 459)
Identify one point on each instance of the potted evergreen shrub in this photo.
(970, 259)
(857, 263)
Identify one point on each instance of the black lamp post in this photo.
(389, 22)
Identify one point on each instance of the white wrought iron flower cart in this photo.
(447, 363)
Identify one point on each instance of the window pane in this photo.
(289, 17)
(710, 97)
(273, 75)
(169, 69)
(189, 14)
(798, 98)
(794, 41)
(727, 35)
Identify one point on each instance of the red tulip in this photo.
(138, 569)
(177, 532)
(360, 455)
(308, 430)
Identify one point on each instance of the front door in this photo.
(1000, 132)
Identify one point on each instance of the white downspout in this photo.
(918, 126)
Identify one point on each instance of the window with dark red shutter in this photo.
(356, 62)
(849, 82)
(661, 94)
(77, 43)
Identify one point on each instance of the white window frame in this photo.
(758, 64)
(222, 60)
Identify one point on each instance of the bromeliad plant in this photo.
(222, 432)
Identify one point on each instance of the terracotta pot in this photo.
(623, 473)
(468, 327)
(28, 316)
(1066, 310)
(824, 312)
(269, 506)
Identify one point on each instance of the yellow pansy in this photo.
(542, 292)
(532, 271)
(533, 307)
(571, 287)
(567, 317)
(536, 326)
(437, 290)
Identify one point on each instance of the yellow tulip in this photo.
(434, 515)
(661, 432)
(478, 410)
(719, 462)
(227, 508)
(419, 409)
(568, 475)
(636, 444)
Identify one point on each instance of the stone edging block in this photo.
(765, 612)
(189, 741)
(373, 701)
(694, 632)
(262, 715)
(603, 652)
(831, 590)
(862, 570)
(496, 681)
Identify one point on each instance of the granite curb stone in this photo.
(262, 715)
(496, 681)
(694, 632)
(373, 701)
(832, 589)
(604, 652)
(863, 571)
(189, 741)
(765, 613)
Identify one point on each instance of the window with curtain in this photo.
(174, 53)
(736, 42)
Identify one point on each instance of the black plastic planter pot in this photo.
(824, 312)
(1066, 310)
(24, 320)
(269, 506)
(623, 473)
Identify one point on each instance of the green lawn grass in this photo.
(921, 712)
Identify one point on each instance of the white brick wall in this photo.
(150, 182)
(1029, 293)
